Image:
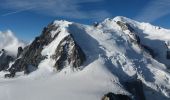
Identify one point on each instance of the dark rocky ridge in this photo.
(20, 50)
(126, 26)
(112, 96)
(69, 53)
(30, 57)
(136, 39)
(135, 87)
(5, 59)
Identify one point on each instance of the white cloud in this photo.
(9, 42)
(14, 12)
(62, 8)
(154, 10)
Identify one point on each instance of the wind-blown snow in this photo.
(111, 60)
(9, 42)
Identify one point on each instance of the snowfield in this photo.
(112, 59)
(84, 85)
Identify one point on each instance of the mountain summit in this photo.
(117, 58)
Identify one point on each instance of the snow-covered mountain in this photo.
(118, 58)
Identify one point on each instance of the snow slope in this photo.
(112, 59)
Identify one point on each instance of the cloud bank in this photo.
(61, 8)
(9, 42)
(154, 10)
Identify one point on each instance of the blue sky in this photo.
(26, 18)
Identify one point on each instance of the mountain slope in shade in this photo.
(95, 60)
(5, 60)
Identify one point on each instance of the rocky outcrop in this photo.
(148, 50)
(168, 54)
(134, 38)
(20, 50)
(125, 26)
(5, 59)
(136, 89)
(132, 34)
(112, 96)
(67, 52)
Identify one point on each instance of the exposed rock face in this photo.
(20, 50)
(149, 50)
(132, 34)
(136, 89)
(168, 54)
(5, 59)
(112, 96)
(135, 38)
(67, 52)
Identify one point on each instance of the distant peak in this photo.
(61, 22)
(124, 19)
(119, 18)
